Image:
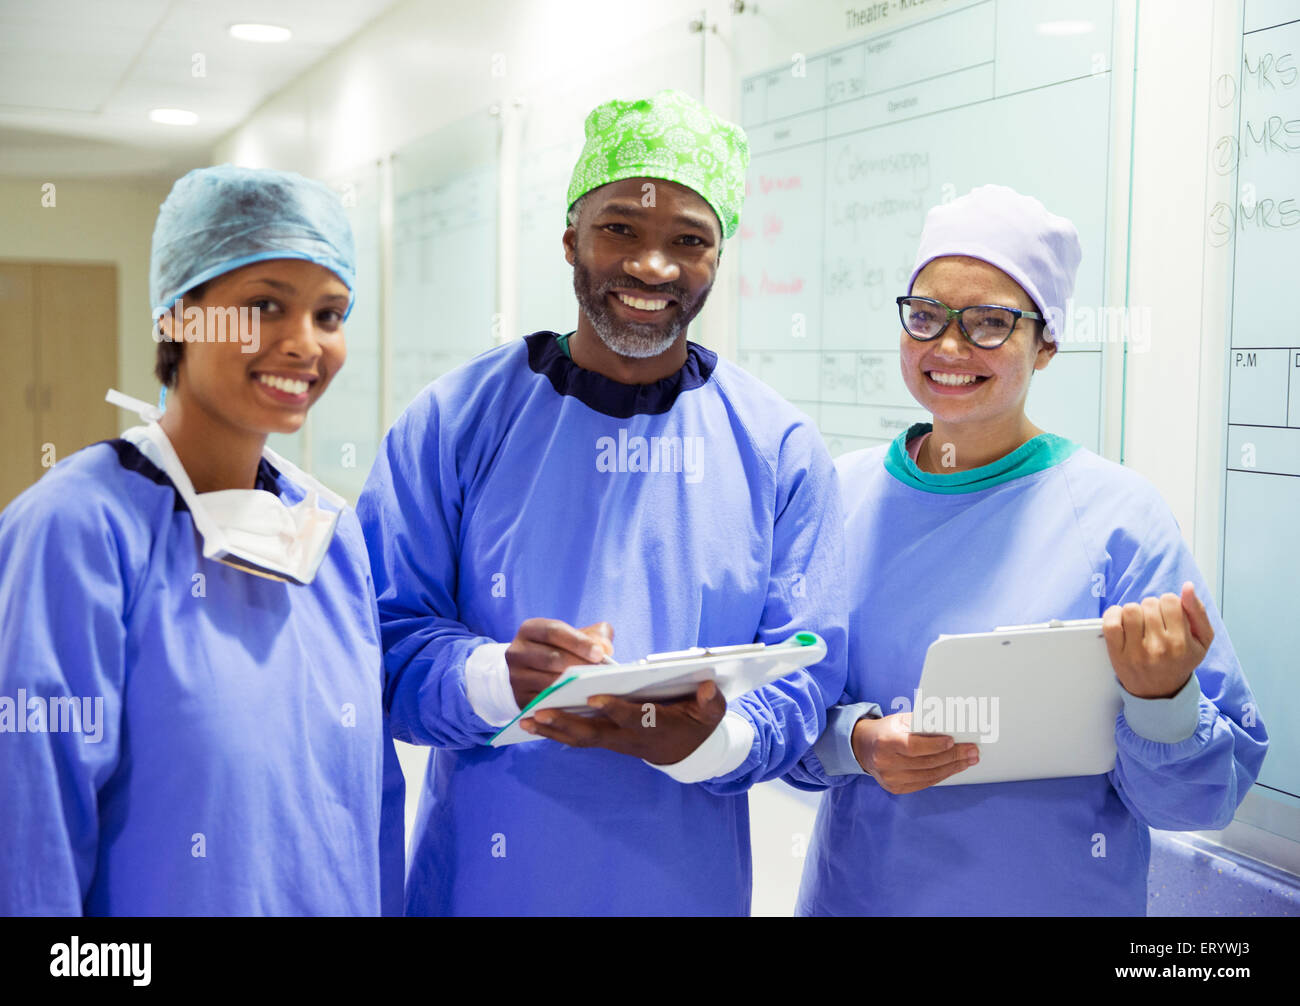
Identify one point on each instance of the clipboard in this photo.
(1040, 700)
(734, 669)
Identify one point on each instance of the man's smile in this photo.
(647, 306)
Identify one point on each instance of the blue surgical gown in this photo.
(242, 753)
(701, 509)
(1053, 532)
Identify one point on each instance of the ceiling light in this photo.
(260, 32)
(173, 116)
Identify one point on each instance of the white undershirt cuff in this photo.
(722, 752)
(487, 683)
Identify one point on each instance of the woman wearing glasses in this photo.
(982, 519)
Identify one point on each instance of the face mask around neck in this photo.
(250, 529)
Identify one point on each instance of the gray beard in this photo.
(625, 341)
(629, 339)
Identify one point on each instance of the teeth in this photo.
(952, 380)
(285, 384)
(641, 304)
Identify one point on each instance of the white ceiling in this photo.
(78, 77)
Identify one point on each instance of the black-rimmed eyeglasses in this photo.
(987, 326)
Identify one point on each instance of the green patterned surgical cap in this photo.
(670, 136)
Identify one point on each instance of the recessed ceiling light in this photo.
(173, 116)
(260, 32)
(1064, 27)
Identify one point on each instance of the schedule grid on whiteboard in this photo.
(850, 148)
(444, 253)
(1261, 545)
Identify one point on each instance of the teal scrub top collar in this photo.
(1038, 454)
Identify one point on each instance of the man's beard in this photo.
(628, 338)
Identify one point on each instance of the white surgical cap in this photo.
(1014, 233)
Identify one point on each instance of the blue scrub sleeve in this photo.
(62, 637)
(805, 591)
(831, 761)
(1196, 782)
(835, 746)
(1165, 720)
(392, 816)
(410, 512)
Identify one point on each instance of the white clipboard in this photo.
(734, 669)
(1040, 700)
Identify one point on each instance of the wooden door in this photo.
(58, 325)
(19, 381)
(76, 332)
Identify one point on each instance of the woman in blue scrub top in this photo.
(981, 519)
(191, 719)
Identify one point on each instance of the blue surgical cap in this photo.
(217, 219)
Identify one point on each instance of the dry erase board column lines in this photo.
(1264, 389)
(1264, 411)
(1261, 15)
(444, 255)
(941, 63)
(781, 233)
(1261, 550)
(546, 298)
(870, 135)
(346, 423)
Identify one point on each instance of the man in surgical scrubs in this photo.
(617, 487)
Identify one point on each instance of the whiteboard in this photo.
(851, 147)
(344, 423)
(546, 298)
(444, 309)
(1261, 546)
(338, 440)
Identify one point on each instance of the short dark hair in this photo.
(168, 358)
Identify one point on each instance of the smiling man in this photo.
(625, 480)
